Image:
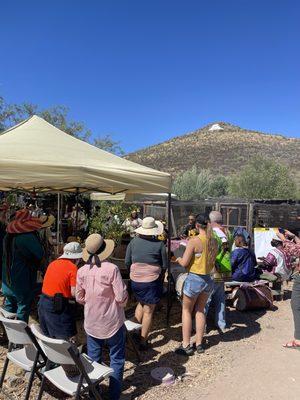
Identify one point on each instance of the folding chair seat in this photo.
(7, 314)
(30, 357)
(62, 352)
(130, 328)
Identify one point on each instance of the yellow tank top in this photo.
(200, 263)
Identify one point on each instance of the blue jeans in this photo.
(218, 299)
(116, 346)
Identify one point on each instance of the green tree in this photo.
(12, 114)
(109, 218)
(263, 178)
(193, 185)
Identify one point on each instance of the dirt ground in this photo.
(246, 362)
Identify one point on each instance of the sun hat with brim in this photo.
(47, 220)
(95, 245)
(277, 238)
(23, 223)
(72, 251)
(150, 227)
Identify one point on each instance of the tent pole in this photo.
(169, 292)
(58, 223)
(76, 218)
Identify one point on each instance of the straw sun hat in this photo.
(150, 227)
(95, 245)
(47, 220)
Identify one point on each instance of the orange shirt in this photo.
(60, 276)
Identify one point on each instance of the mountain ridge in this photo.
(220, 146)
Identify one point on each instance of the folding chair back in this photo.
(16, 331)
(56, 350)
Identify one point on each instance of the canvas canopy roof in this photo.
(130, 197)
(35, 155)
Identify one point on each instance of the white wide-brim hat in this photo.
(150, 227)
(72, 251)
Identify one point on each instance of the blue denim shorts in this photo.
(196, 284)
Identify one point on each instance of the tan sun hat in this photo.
(96, 245)
(47, 220)
(150, 227)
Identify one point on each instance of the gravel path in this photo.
(247, 362)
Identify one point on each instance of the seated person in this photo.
(243, 261)
(277, 263)
(189, 229)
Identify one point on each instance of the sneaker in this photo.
(200, 349)
(185, 351)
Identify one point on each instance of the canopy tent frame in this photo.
(37, 157)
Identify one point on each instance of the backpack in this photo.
(223, 258)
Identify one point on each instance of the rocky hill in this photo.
(221, 147)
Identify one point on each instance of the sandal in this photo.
(292, 345)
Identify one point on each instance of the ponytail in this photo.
(211, 242)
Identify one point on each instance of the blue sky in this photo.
(145, 71)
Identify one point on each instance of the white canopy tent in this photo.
(35, 155)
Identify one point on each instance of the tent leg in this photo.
(169, 293)
(76, 218)
(58, 224)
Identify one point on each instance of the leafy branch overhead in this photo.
(12, 114)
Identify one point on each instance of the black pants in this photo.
(295, 303)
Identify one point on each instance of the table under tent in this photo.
(37, 157)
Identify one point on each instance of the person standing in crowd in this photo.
(46, 236)
(189, 230)
(146, 259)
(243, 261)
(56, 314)
(23, 254)
(3, 210)
(79, 220)
(218, 297)
(294, 250)
(199, 258)
(132, 223)
(102, 291)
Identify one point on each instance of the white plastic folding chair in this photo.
(62, 352)
(130, 328)
(30, 357)
(9, 315)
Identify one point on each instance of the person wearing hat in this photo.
(146, 258)
(23, 254)
(56, 314)
(102, 291)
(277, 263)
(46, 235)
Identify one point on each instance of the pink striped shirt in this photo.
(104, 295)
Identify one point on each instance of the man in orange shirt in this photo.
(55, 312)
